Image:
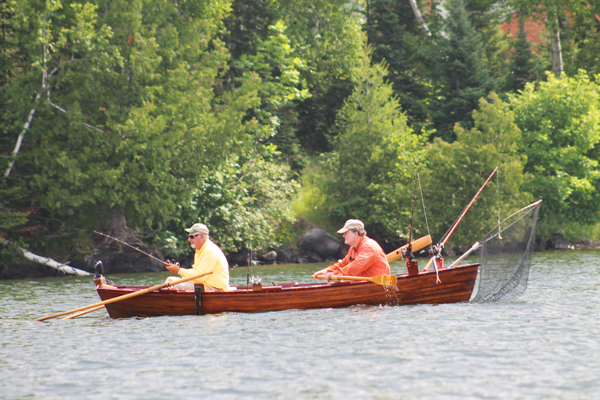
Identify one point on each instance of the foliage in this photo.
(560, 122)
(556, 15)
(327, 35)
(466, 76)
(586, 42)
(456, 171)
(522, 64)
(149, 115)
(374, 153)
(281, 86)
(311, 202)
(398, 40)
(242, 202)
(141, 117)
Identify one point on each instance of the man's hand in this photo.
(325, 273)
(319, 272)
(328, 276)
(174, 268)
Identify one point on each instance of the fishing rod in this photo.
(469, 206)
(411, 264)
(440, 246)
(133, 247)
(412, 214)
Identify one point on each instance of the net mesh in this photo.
(505, 257)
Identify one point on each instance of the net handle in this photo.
(506, 219)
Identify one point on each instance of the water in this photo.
(544, 345)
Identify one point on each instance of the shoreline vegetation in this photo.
(264, 122)
(29, 270)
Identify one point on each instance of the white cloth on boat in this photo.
(189, 285)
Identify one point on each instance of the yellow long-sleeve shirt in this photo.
(209, 258)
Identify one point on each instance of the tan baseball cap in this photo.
(198, 227)
(352, 224)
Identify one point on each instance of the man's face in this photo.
(195, 239)
(351, 238)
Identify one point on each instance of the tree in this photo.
(522, 66)
(245, 200)
(466, 77)
(280, 89)
(399, 39)
(375, 154)
(556, 15)
(327, 35)
(586, 42)
(324, 36)
(560, 123)
(455, 172)
(134, 123)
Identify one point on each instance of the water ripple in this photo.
(545, 344)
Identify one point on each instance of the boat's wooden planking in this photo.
(456, 286)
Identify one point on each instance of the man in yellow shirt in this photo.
(208, 258)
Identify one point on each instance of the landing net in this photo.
(505, 257)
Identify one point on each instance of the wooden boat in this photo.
(456, 285)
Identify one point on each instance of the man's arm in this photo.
(203, 264)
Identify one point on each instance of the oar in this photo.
(416, 246)
(79, 314)
(127, 296)
(385, 280)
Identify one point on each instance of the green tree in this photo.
(560, 124)
(375, 154)
(134, 124)
(409, 52)
(455, 172)
(466, 76)
(327, 35)
(586, 42)
(562, 44)
(281, 87)
(522, 66)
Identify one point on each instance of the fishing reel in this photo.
(436, 250)
(98, 269)
(99, 278)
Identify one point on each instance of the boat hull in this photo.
(456, 286)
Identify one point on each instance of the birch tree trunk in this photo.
(31, 113)
(67, 269)
(21, 136)
(557, 63)
(413, 4)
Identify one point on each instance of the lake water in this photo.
(544, 345)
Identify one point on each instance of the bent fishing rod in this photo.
(133, 247)
(440, 246)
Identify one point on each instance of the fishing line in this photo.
(498, 192)
(423, 202)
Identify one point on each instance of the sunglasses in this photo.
(193, 236)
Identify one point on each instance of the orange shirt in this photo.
(366, 259)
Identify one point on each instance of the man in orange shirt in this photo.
(365, 257)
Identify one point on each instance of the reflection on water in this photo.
(546, 344)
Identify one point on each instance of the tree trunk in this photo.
(557, 64)
(22, 135)
(419, 17)
(67, 269)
